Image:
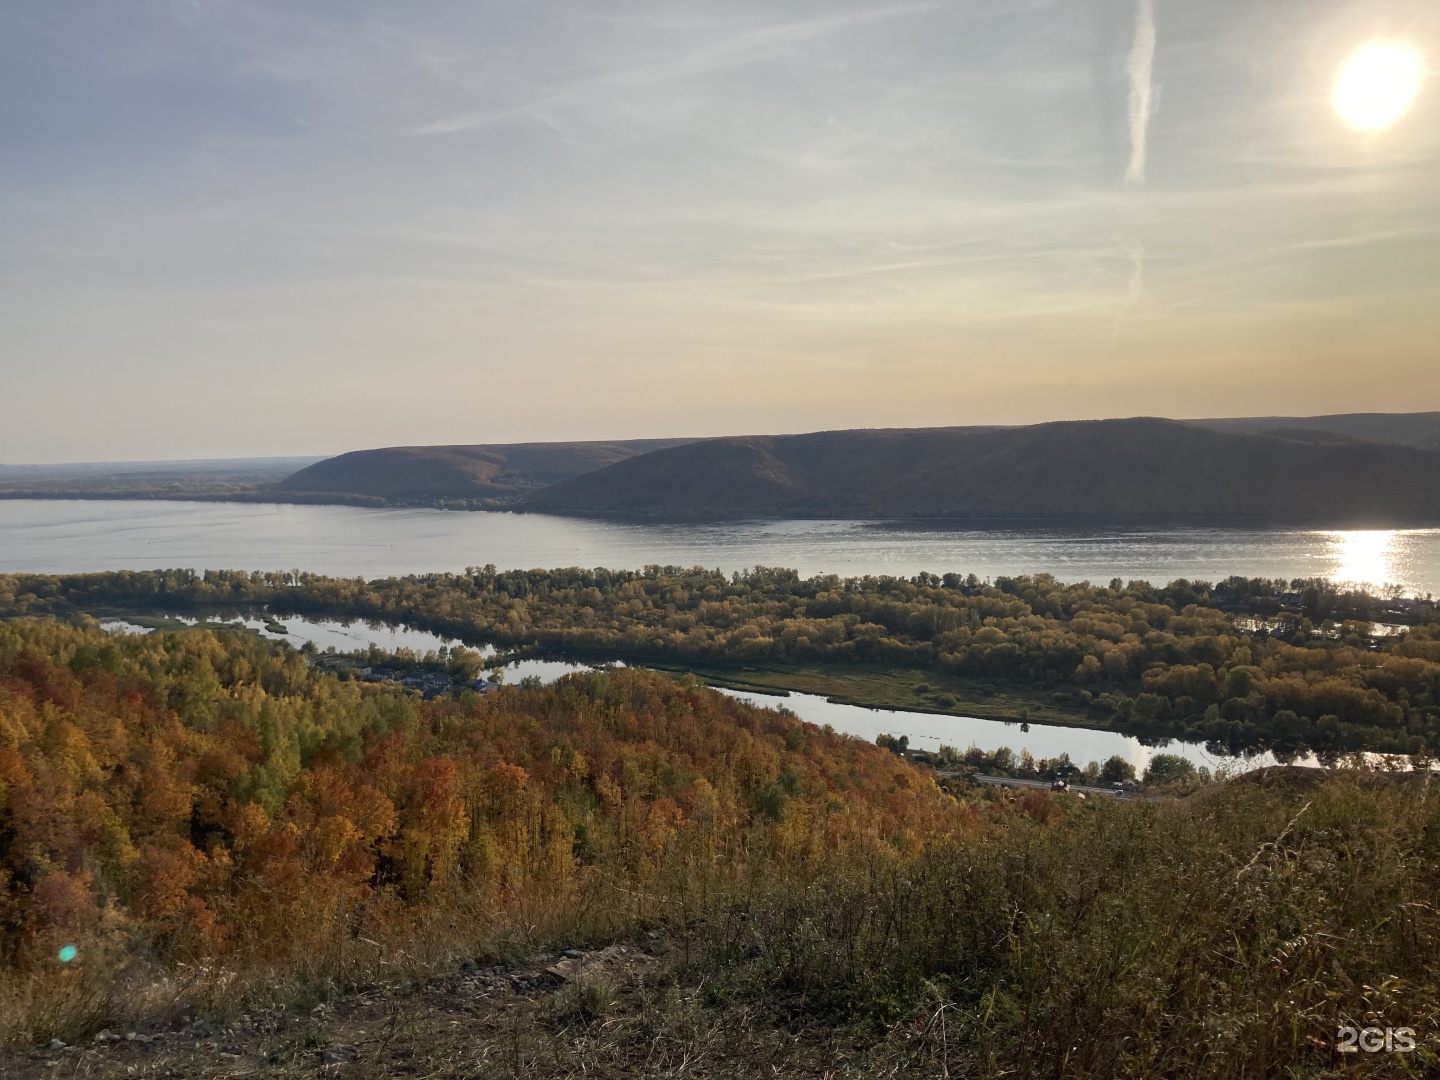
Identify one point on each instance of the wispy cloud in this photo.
(1140, 66)
(747, 48)
(854, 199)
(1133, 291)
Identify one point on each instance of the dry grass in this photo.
(510, 1023)
(125, 989)
(1224, 937)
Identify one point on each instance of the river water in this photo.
(69, 536)
(926, 731)
(66, 536)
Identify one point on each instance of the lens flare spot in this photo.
(68, 953)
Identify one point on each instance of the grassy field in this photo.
(913, 690)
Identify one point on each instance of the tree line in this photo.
(1244, 664)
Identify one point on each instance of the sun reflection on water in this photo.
(1365, 557)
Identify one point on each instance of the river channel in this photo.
(926, 731)
(71, 536)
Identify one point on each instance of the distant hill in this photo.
(1420, 430)
(1351, 467)
(495, 473)
(1143, 468)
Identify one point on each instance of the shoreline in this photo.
(920, 522)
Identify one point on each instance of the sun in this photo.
(1377, 85)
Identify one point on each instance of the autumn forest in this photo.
(1243, 664)
(198, 822)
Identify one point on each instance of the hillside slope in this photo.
(1139, 468)
(1420, 430)
(484, 472)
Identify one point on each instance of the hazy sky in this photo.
(233, 227)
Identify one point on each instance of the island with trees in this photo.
(1243, 665)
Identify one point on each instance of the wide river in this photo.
(65, 536)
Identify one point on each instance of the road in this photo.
(1044, 785)
(1075, 789)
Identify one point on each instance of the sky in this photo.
(234, 228)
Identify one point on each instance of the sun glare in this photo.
(1377, 85)
(1364, 558)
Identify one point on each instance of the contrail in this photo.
(1135, 290)
(1140, 67)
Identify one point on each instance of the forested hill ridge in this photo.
(488, 473)
(1420, 430)
(1140, 468)
(1377, 469)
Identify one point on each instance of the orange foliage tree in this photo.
(209, 793)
